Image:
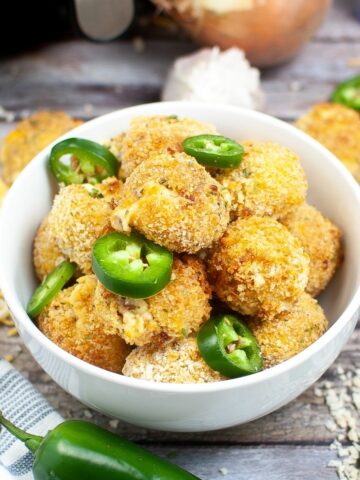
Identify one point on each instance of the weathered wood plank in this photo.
(79, 75)
(255, 463)
(302, 421)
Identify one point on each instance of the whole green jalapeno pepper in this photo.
(214, 150)
(228, 346)
(78, 450)
(131, 265)
(348, 93)
(91, 163)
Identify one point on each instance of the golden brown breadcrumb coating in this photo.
(78, 219)
(321, 240)
(68, 322)
(173, 201)
(269, 181)
(149, 136)
(175, 362)
(291, 331)
(338, 129)
(177, 310)
(29, 137)
(46, 253)
(258, 266)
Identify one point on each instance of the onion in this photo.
(269, 31)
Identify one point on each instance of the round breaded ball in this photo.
(69, 323)
(173, 201)
(291, 331)
(268, 182)
(338, 128)
(149, 136)
(176, 362)
(3, 190)
(77, 219)
(46, 253)
(29, 137)
(321, 240)
(177, 310)
(257, 266)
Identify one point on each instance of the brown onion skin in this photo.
(270, 33)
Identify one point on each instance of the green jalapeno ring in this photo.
(131, 265)
(228, 346)
(50, 287)
(96, 162)
(214, 150)
(348, 93)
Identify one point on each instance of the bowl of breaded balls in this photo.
(183, 266)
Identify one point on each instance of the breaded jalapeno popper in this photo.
(151, 227)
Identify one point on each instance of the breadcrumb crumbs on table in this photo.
(339, 398)
(338, 129)
(290, 332)
(149, 136)
(29, 137)
(268, 182)
(258, 267)
(321, 240)
(68, 322)
(183, 305)
(173, 201)
(177, 362)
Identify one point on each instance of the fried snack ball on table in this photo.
(290, 332)
(338, 129)
(321, 240)
(173, 201)
(176, 362)
(268, 182)
(68, 321)
(258, 266)
(149, 136)
(29, 137)
(46, 253)
(177, 310)
(79, 216)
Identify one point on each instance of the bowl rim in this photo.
(287, 366)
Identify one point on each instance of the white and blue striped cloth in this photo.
(22, 404)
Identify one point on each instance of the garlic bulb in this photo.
(210, 75)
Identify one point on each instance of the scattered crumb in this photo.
(224, 471)
(88, 109)
(12, 332)
(6, 115)
(9, 358)
(114, 423)
(88, 414)
(138, 44)
(295, 86)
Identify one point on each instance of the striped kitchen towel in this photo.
(22, 404)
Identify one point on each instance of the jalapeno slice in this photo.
(91, 162)
(348, 93)
(214, 150)
(228, 346)
(50, 287)
(131, 265)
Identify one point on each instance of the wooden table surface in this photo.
(88, 79)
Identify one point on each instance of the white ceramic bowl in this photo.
(203, 406)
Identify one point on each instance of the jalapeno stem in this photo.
(31, 441)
